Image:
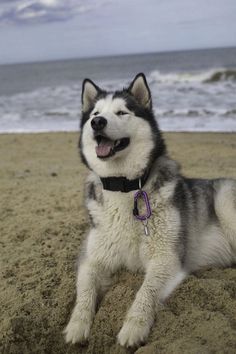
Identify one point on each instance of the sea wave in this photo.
(208, 76)
(222, 75)
(201, 112)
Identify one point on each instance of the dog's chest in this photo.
(118, 235)
(119, 238)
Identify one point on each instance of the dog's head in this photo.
(119, 134)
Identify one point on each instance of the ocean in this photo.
(192, 90)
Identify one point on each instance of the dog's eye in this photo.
(96, 113)
(121, 113)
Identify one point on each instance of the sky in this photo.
(37, 30)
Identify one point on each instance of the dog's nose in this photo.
(98, 123)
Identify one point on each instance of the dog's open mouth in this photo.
(107, 147)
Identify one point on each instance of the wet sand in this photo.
(42, 224)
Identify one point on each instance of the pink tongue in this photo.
(104, 148)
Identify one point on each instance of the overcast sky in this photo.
(35, 30)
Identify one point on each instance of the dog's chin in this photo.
(107, 148)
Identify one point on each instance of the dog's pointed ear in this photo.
(140, 90)
(89, 94)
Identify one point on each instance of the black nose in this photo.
(98, 123)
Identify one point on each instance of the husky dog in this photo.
(176, 227)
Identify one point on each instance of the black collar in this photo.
(123, 184)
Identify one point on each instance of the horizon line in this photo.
(113, 55)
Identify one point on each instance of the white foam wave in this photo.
(200, 112)
(208, 76)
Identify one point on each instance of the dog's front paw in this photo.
(134, 331)
(77, 330)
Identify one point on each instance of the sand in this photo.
(42, 224)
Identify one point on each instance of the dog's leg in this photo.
(90, 281)
(81, 319)
(160, 272)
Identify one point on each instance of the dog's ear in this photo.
(89, 94)
(140, 90)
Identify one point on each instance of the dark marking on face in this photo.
(83, 159)
(86, 115)
(147, 115)
(84, 118)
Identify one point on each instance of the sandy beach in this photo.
(42, 224)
